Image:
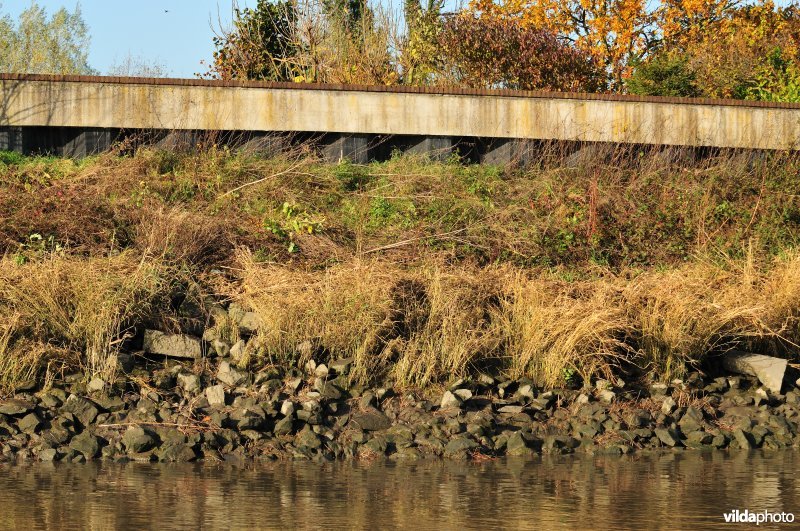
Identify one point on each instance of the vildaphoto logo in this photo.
(761, 517)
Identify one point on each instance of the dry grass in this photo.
(679, 316)
(337, 310)
(420, 271)
(70, 310)
(432, 322)
(183, 237)
(554, 329)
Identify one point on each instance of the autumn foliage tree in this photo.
(744, 52)
(706, 48)
(615, 33)
(481, 51)
(419, 51)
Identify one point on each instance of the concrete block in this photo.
(339, 147)
(11, 139)
(266, 144)
(767, 369)
(585, 155)
(435, 147)
(86, 142)
(507, 151)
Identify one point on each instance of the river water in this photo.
(680, 490)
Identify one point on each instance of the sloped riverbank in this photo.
(199, 304)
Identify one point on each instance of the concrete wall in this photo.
(119, 104)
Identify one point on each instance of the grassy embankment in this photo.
(631, 263)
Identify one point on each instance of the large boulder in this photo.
(767, 369)
(136, 440)
(172, 345)
(84, 410)
(370, 419)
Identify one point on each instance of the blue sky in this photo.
(174, 33)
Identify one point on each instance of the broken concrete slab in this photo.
(172, 345)
(767, 369)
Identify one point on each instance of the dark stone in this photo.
(113, 403)
(51, 401)
(561, 443)
(517, 445)
(56, 436)
(459, 445)
(49, 455)
(589, 430)
(172, 345)
(407, 454)
(370, 419)
(328, 390)
(15, 408)
(342, 366)
(759, 433)
(85, 410)
(137, 440)
(697, 439)
(249, 418)
(638, 419)
(309, 417)
(400, 436)
(378, 445)
(176, 453)
(744, 439)
(719, 441)
(85, 443)
(367, 400)
(692, 420)
(30, 423)
(667, 436)
(307, 438)
(475, 430)
(284, 426)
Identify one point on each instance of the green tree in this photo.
(777, 80)
(348, 15)
(664, 75)
(420, 53)
(260, 45)
(39, 43)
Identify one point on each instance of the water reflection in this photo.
(664, 491)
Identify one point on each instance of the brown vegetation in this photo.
(628, 262)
